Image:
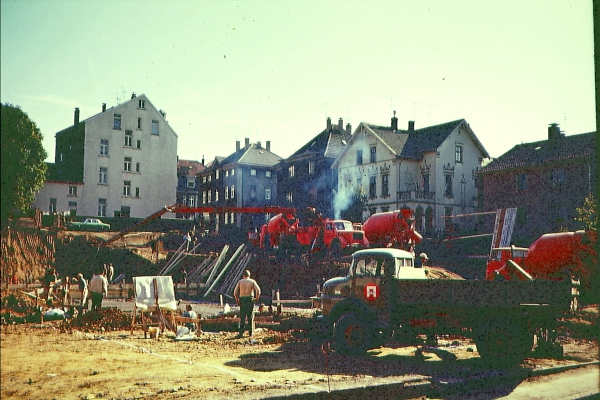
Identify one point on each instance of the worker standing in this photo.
(246, 293)
(424, 260)
(98, 287)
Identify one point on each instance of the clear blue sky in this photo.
(275, 70)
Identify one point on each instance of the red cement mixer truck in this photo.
(392, 229)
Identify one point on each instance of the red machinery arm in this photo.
(188, 210)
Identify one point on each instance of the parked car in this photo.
(89, 224)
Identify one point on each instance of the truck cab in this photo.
(340, 235)
(497, 262)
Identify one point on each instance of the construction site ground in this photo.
(56, 360)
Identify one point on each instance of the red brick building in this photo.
(545, 180)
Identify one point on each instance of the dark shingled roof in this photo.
(545, 151)
(254, 154)
(327, 143)
(412, 144)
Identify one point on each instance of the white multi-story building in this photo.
(119, 162)
(431, 170)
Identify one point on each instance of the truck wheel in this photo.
(351, 335)
(501, 342)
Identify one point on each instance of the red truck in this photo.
(308, 233)
(392, 229)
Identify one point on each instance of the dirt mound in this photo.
(25, 255)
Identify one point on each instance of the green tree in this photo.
(587, 214)
(23, 167)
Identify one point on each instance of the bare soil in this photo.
(53, 360)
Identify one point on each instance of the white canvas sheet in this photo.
(144, 293)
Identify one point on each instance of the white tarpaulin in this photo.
(145, 296)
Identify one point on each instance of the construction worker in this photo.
(246, 293)
(424, 260)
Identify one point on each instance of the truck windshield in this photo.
(371, 266)
(343, 226)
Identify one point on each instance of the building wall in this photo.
(157, 158)
(59, 191)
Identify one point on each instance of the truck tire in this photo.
(502, 342)
(352, 335)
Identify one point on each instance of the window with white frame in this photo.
(142, 104)
(102, 207)
(210, 196)
(191, 183)
(372, 187)
(72, 190)
(253, 172)
(104, 147)
(289, 197)
(385, 185)
(267, 193)
(373, 150)
(232, 191)
(226, 215)
(232, 172)
(127, 188)
(311, 167)
(291, 171)
(139, 144)
(204, 197)
(226, 173)
(192, 201)
(117, 121)
(458, 153)
(216, 194)
(267, 174)
(52, 206)
(127, 164)
(216, 174)
(448, 192)
(128, 138)
(204, 179)
(226, 192)
(155, 127)
(103, 177)
(359, 159)
(184, 200)
(232, 217)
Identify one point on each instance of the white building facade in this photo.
(121, 162)
(430, 170)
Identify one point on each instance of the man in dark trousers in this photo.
(246, 293)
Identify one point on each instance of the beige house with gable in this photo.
(431, 170)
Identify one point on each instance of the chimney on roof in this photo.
(103, 107)
(411, 126)
(258, 144)
(349, 128)
(202, 159)
(341, 125)
(554, 132)
(237, 145)
(76, 116)
(133, 95)
(246, 143)
(268, 144)
(394, 122)
(328, 124)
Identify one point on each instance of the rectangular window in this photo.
(191, 183)
(373, 154)
(385, 189)
(102, 207)
(139, 123)
(267, 174)
(372, 187)
(253, 172)
(203, 179)
(458, 153)
(232, 191)
(192, 201)
(128, 138)
(210, 196)
(139, 144)
(210, 178)
(127, 188)
(72, 190)
(204, 197)
(137, 167)
(72, 204)
(226, 173)
(154, 127)
(226, 192)
(359, 157)
(448, 186)
(291, 171)
(232, 172)
(521, 182)
(289, 197)
(253, 192)
(104, 147)
(232, 218)
(216, 194)
(226, 218)
(216, 174)
(103, 179)
(311, 167)
(52, 206)
(184, 200)
(127, 164)
(267, 193)
(142, 104)
(137, 192)
(117, 121)
(426, 183)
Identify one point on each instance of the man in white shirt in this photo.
(246, 293)
(98, 287)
